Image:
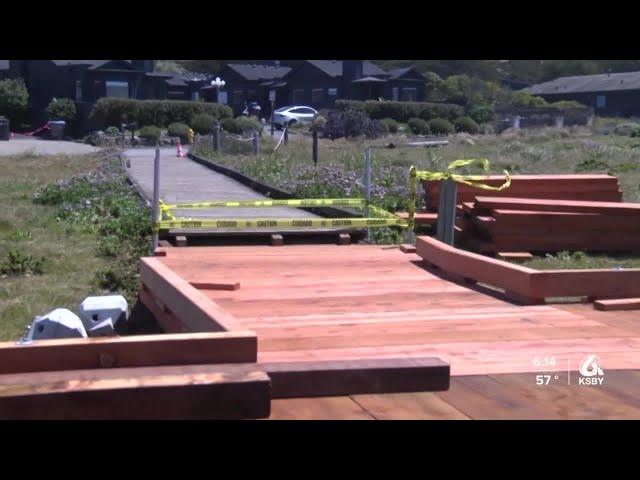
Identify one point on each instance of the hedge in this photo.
(419, 126)
(466, 124)
(403, 111)
(111, 111)
(179, 129)
(441, 126)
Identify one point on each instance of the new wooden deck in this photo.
(317, 303)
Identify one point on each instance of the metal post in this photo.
(273, 103)
(367, 183)
(314, 146)
(286, 135)
(256, 143)
(411, 206)
(447, 211)
(216, 138)
(155, 215)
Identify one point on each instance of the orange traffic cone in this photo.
(180, 152)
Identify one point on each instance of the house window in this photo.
(317, 96)
(394, 94)
(601, 101)
(117, 89)
(298, 96)
(195, 96)
(409, 94)
(78, 90)
(333, 92)
(238, 97)
(222, 98)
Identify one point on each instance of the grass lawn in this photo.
(70, 259)
(88, 228)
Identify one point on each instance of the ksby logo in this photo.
(591, 372)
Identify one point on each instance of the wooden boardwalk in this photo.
(183, 180)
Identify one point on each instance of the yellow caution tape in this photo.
(257, 223)
(309, 202)
(471, 180)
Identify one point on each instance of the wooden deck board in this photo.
(487, 397)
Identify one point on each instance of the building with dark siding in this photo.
(317, 83)
(609, 94)
(86, 81)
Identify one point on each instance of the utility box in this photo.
(100, 315)
(57, 129)
(5, 133)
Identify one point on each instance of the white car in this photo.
(288, 116)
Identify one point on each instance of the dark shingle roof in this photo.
(91, 63)
(588, 83)
(258, 72)
(333, 68)
(399, 72)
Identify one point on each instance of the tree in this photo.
(14, 99)
(62, 109)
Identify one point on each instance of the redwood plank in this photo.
(128, 351)
(619, 304)
(195, 311)
(161, 393)
(615, 208)
(346, 377)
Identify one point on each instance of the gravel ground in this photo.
(17, 146)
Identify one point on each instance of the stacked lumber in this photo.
(506, 224)
(601, 188)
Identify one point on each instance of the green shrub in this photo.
(150, 132)
(178, 129)
(202, 123)
(419, 126)
(154, 112)
(390, 124)
(112, 131)
(627, 129)
(248, 124)
(402, 111)
(466, 124)
(62, 109)
(14, 99)
(230, 125)
(344, 105)
(18, 263)
(482, 113)
(441, 126)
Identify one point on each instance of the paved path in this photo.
(17, 146)
(183, 180)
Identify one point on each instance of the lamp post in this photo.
(218, 84)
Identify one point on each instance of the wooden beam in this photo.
(408, 248)
(129, 351)
(214, 392)
(344, 239)
(514, 256)
(196, 311)
(277, 240)
(350, 377)
(527, 283)
(619, 304)
(216, 285)
(510, 203)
